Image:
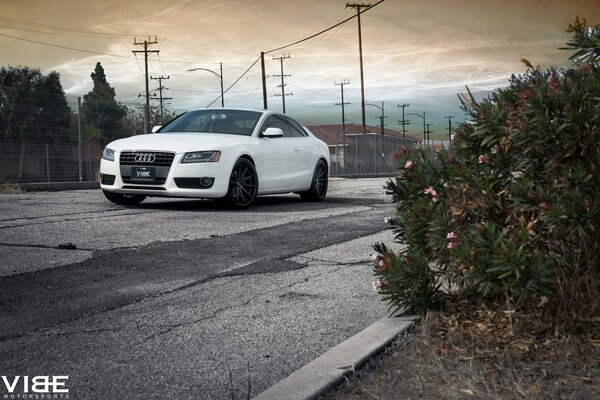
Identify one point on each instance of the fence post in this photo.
(337, 151)
(47, 165)
(89, 161)
(79, 139)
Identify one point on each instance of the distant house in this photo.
(363, 153)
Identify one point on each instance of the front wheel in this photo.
(243, 185)
(124, 199)
(318, 187)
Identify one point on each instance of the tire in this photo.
(320, 182)
(124, 199)
(243, 185)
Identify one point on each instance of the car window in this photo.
(276, 121)
(295, 128)
(235, 122)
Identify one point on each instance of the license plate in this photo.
(142, 174)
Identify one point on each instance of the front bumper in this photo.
(200, 180)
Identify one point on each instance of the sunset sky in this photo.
(421, 52)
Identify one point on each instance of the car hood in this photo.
(178, 142)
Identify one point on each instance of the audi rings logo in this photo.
(146, 158)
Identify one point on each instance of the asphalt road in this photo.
(179, 298)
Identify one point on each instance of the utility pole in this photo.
(342, 84)
(449, 129)
(264, 79)
(146, 43)
(381, 118)
(404, 122)
(358, 7)
(283, 76)
(428, 132)
(161, 99)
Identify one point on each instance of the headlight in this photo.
(108, 154)
(201, 157)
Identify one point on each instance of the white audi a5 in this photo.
(229, 154)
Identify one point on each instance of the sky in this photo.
(417, 52)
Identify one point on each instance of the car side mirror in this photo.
(272, 132)
(156, 128)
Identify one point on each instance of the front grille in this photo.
(161, 159)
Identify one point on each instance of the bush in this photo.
(514, 208)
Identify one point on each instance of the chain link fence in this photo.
(29, 162)
(367, 155)
(35, 148)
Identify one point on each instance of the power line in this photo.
(236, 81)
(262, 54)
(63, 47)
(58, 28)
(321, 32)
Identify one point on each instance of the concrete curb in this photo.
(329, 369)
(56, 186)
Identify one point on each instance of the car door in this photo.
(281, 157)
(304, 155)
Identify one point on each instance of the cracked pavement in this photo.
(213, 303)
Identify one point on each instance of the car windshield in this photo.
(234, 122)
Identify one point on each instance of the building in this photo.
(358, 153)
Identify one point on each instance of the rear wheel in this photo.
(318, 187)
(124, 199)
(243, 185)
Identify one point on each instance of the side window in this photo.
(295, 128)
(274, 121)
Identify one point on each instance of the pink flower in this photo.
(544, 206)
(484, 159)
(430, 190)
(453, 240)
(409, 164)
(378, 284)
(494, 149)
(381, 264)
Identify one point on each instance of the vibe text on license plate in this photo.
(142, 174)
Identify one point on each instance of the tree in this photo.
(33, 106)
(102, 114)
(133, 122)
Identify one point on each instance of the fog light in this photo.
(206, 182)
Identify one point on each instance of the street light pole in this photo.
(382, 131)
(424, 125)
(219, 76)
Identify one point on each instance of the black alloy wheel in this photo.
(320, 182)
(243, 185)
(124, 199)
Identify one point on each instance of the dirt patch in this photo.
(475, 350)
(11, 189)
